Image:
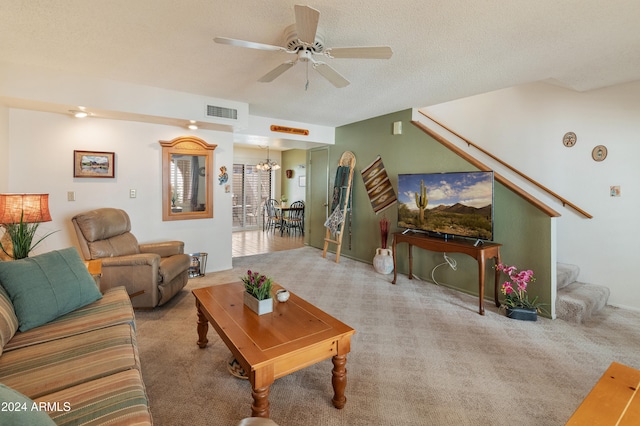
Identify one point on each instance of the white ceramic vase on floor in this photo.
(383, 261)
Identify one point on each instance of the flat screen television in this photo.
(458, 204)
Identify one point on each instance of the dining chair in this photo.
(295, 219)
(273, 219)
(254, 214)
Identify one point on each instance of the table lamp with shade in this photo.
(20, 215)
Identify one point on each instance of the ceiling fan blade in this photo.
(330, 74)
(306, 23)
(249, 44)
(275, 73)
(374, 52)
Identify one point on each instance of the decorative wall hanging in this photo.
(569, 139)
(93, 164)
(292, 130)
(599, 153)
(223, 177)
(289, 173)
(378, 186)
(614, 190)
(340, 204)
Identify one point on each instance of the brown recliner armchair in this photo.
(152, 273)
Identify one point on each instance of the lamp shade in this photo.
(30, 208)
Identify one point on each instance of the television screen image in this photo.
(447, 204)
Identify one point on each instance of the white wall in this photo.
(41, 160)
(4, 147)
(524, 126)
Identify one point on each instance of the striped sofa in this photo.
(81, 368)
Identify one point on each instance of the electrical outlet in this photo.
(132, 193)
(71, 196)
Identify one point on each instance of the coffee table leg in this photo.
(260, 406)
(203, 327)
(339, 380)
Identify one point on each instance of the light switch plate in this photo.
(397, 127)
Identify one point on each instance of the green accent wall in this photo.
(525, 232)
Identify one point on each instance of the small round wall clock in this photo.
(599, 153)
(569, 139)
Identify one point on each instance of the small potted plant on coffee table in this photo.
(257, 295)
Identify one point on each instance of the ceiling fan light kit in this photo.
(305, 40)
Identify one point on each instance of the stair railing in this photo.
(503, 180)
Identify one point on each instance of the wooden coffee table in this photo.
(294, 336)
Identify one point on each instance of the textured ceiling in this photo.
(442, 50)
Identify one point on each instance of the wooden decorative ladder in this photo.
(348, 159)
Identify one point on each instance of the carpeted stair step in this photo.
(566, 274)
(576, 301)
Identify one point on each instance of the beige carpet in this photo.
(421, 355)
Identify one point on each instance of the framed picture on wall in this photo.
(302, 181)
(93, 164)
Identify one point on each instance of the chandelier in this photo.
(268, 164)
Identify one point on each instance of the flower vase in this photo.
(383, 261)
(523, 314)
(260, 307)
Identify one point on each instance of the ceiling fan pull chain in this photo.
(306, 86)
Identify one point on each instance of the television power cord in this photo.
(447, 261)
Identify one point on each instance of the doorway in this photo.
(251, 188)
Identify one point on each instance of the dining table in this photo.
(285, 210)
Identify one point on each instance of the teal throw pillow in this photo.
(18, 410)
(46, 286)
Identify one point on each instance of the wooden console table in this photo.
(480, 252)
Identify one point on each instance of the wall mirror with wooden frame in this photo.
(187, 186)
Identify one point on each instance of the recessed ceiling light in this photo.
(79, 114)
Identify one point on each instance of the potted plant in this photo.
(22, 237)
(257, 295)
(516, 302)
(283, 201)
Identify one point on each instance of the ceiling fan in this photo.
(304, 40)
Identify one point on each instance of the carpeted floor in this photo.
(421, 355)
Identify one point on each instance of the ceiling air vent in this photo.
(222, 112)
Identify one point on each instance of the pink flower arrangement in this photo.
(257, 285)
(516, 289)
